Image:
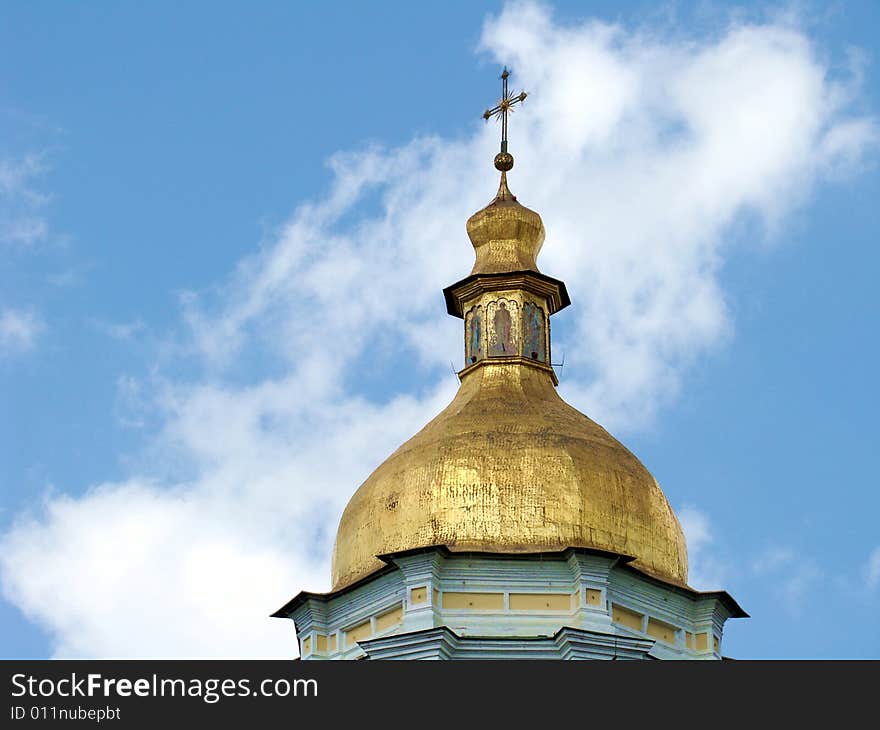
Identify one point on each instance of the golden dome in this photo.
(508, 466)
(506, 236)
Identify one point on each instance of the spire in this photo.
(504, 193)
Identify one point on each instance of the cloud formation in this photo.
(706, 571)
(19, 330)
(21, 221)
(641, 154)
(22, 224)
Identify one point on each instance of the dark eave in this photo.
(453, 304)
(300, 598)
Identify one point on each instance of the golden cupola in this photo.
(508, 466)
(506, 235)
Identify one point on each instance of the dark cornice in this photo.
(553, 289)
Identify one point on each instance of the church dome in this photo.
(508, 466)
(506, 235)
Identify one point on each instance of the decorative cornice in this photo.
(552, 289)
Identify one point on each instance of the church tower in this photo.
(512, 525)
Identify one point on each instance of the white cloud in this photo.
(789, 574)
(872, 571)
(796, 584)
(19, 330)
(640, 153)
(123, 331)
(773, 559)
(706, 571)
(21, 220)
(21, 225)
(194, 569)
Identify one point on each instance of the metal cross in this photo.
(504, 107)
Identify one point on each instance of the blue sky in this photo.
(222, 227)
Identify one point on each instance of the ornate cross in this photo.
(502, 109)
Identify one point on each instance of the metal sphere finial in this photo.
(504, 161)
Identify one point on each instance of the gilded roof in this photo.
(508, 466)
(506, 235)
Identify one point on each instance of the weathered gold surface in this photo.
(506, 236)
(509, 467)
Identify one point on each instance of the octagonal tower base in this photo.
(433, 603)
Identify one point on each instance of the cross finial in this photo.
(504, 160)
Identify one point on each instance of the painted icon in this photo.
(475, 335)
(502, 331)
(534, 339)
